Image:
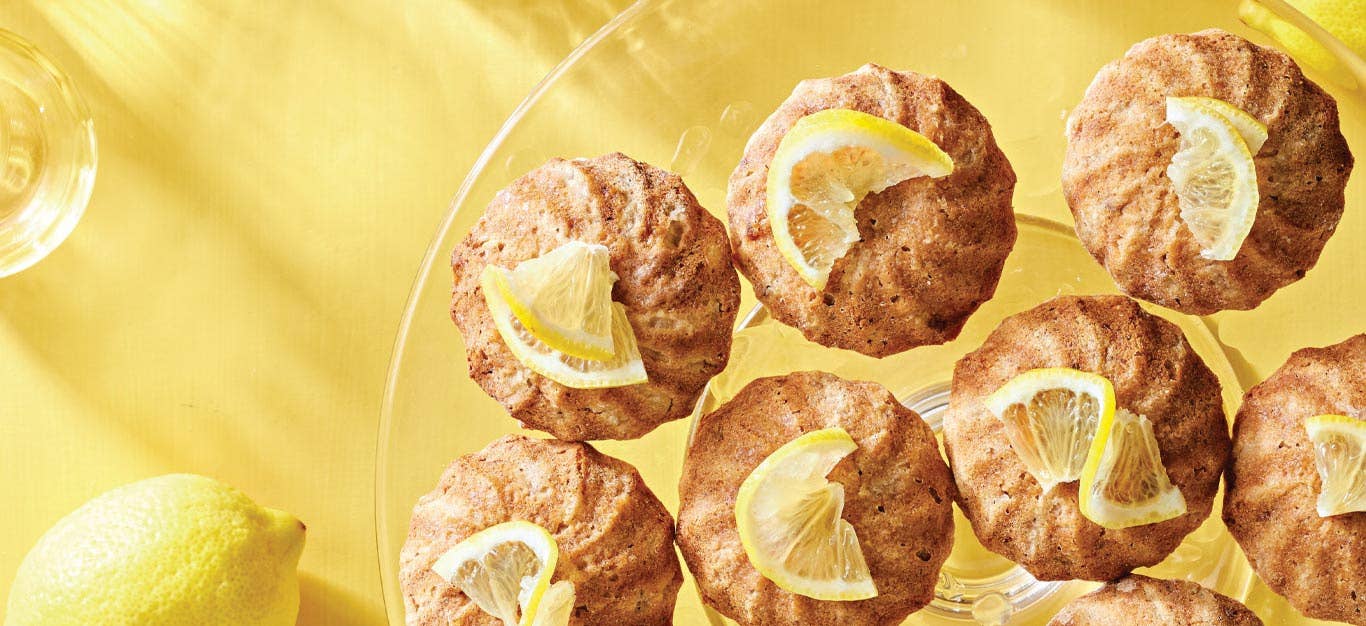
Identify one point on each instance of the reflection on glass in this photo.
(47, 155)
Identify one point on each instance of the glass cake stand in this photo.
(682, 84)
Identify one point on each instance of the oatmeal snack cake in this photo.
(616, 540)
(1138, 599)
(929, 250)
(1154, 372)
(1127, 212)
(674, 277)
(897, 491)
(1317, 563)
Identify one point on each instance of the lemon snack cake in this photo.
(809, 499)
(1138, 599)
(872, 211)
(1296, 498)
(596, 298)
(1205, 172)
(1087, 438)
(577, 529)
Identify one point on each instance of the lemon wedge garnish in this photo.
(557, 605)
(823, 168)
(623, 368)
(564, 298)
(1213, 173)
(1249, 129)
(1124, 483)
(1050, 416)
(789, 518)
(506, 570)
(1340, 455)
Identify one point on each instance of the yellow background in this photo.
(270, 174)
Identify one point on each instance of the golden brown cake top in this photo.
(931, 250)
(1126, 211)
(897, 496)
(1155, 374)
(615, 537)
(675, 279)
(1318, 564)
(1138, 599)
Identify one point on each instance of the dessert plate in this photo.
(682, 84)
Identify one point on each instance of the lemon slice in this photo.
(1213, 174)
(1252, 131)
(1050, 416)
(823, 168)
(1340, 454)
(564, 298)
(505, 570)
(789, 518)
(557, 605)
(624, 368)
(1124, 483)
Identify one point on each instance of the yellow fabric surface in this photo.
(270, 174)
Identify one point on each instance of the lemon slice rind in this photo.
(789, 491)
(1252, 131)
(1036, 437)
(1214, 177)
(1125, 441)
(624, 368)
(563, 298)
(901, 152)
(481, 545)
(1340, 458)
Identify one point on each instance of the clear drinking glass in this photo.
(47, 155)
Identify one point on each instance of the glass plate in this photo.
(682, 84)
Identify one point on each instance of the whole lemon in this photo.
(1344, 19)
(166, 551)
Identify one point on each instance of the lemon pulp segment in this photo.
(557, 605)
(1340, 457)
(624, 368)
(504, 569)
(1124, 483)
(564, 298)
(789, 518)
(823, 168)
(1050, 415)
(1213, 175)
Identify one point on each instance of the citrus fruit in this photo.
(624, 368)
(1214, 177)
(1124, 483)
(176, 550)
(1340, 456)
(823, 168)
(563, 298)
(506, 570)
(789, 518)
(1050, 416)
